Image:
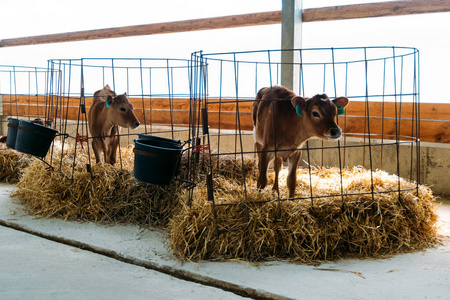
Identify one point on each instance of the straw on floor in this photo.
(109, 194)
(330, 227)
(359, 223)
(12, 163)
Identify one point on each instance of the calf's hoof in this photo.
(261, 184)
(275, 187)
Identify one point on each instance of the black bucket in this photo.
(34, 139)
(13, 124)
(156, 161)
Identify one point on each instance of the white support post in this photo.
(291, 38)
(2, 118)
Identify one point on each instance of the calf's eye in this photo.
(316, 114)
(123, 109)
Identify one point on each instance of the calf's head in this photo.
(319, 115)
(120, 110)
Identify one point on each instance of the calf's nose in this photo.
(137, 123)
(335, 132)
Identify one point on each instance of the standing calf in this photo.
(107, 113)
(283, 121)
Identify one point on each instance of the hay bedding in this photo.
(302, 232)
(110, 195)
(293, 230)
(12, 163)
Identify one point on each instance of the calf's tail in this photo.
(256, 104)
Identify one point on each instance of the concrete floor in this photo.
(53, 259)
(35, 268)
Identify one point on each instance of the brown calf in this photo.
(286, 120)
(107, 113)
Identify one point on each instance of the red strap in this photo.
(202, 148)
(81, 138)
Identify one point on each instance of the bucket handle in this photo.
(157, 155)
(33, 131)
(182, 145)
(12, 126)
(65, 135)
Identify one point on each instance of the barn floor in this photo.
(53, 259)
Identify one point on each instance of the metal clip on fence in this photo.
(202, 148)
(80, 139)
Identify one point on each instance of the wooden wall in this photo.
(434, 124)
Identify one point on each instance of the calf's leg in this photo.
(113, 151)
(264, 158)
(291, 180)
(277, 163)
(97, 146)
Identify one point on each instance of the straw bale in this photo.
(107, 194)
(12, 163)
(329, 227)
(340, 213)
(233, 167)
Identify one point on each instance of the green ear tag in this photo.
(340, 110)
(298, 109)
(107, 103)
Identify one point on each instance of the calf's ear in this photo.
(299, 104)
(342, 101)
(298, 100)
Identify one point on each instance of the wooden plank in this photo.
(433, 111)
(430, 130)
(37, 112)
(428, 111)
(252, 19)
(164, 117)
(369, 10)
(149, 103)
